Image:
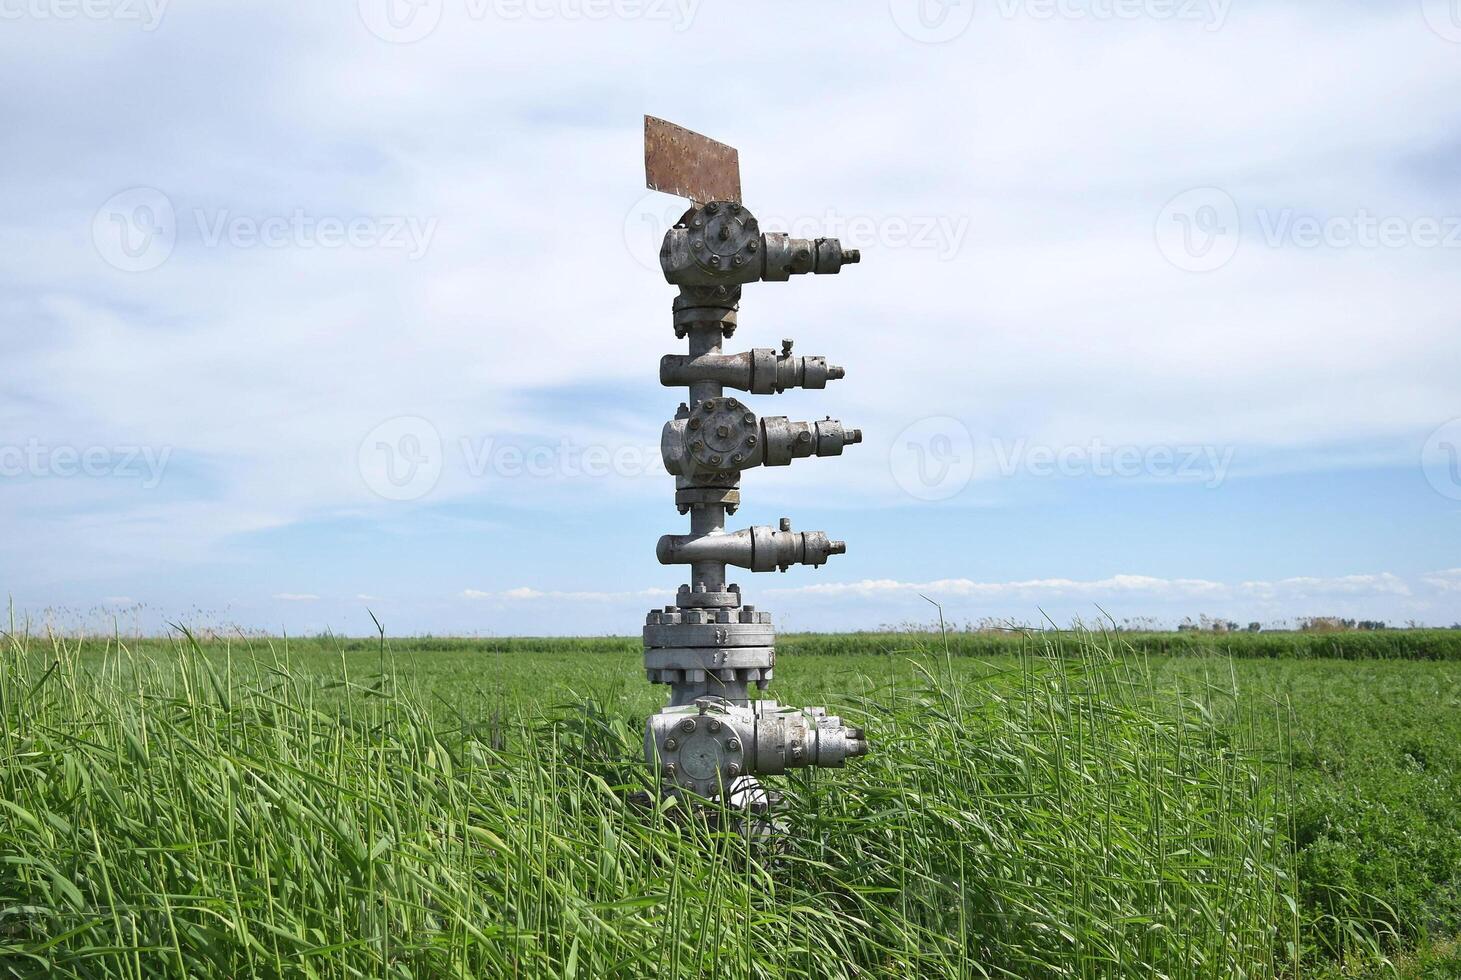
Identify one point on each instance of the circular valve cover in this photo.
(721, 434)
(724, 237)
(704, 751)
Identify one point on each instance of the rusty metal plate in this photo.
(687, 164)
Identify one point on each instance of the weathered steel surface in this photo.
(686, 164)
(715, 653)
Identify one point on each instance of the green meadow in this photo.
(1036, 805)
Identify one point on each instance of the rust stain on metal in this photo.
(686, 164)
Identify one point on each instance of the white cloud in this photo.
(296, 597)
(1158, 589)
(1347, 585)
(1446, 581)
(525, 594)
(1056, 321)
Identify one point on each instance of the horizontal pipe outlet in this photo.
(761, 549)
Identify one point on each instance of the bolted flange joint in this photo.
(721, 243)
(761, 738)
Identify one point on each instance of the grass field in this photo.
(1049, 806)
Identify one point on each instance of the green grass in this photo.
(1408, 644)
(1064, 807)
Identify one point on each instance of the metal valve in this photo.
(721, 243)
(761, 371)
(706, 745)
(761, 549)
(722, 436)
(712, 650)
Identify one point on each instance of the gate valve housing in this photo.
(721, 435)
(720, 243)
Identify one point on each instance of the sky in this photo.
(314, 311)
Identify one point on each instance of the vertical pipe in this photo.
(705, 338)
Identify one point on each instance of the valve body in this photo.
(712, 650)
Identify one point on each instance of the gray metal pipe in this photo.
(760, 548)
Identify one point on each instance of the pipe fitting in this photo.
(761, 371)
(761, 738)
(761, 549)
(721, 243)
(720, 436)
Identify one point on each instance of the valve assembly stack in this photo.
(711, 649)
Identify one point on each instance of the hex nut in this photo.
(671, 744)
(733, 744)
(687, 725)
